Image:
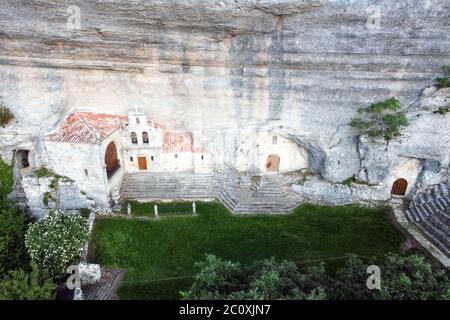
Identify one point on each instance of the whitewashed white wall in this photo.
(253, 153)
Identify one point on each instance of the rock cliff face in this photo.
(229, 69)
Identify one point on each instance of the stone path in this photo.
(106, 287)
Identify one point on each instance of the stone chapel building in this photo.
(97, 149)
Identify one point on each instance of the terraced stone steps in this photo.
(167, 186)
(429, 210)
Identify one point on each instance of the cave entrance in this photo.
(23, 158)
(399, 187)
(273, 163)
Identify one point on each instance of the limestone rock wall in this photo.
(230, 69)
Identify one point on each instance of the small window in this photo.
(145, 137)
(131, 159)
(176, 155)
(137, 120)
(86, 172)
(152, 158)
(274, 139)
(133, 138)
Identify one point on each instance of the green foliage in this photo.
(265, 279)
(402, 278)
(348, 182)
(444, 82)
(44, 172)
(21, 285)
(412, 278)
(6, 179)
(166, 248)
(85, 212)
(55, 242)
(380, 120)
(13, 225)
(442, 110)
(5, 115)
(47, 197)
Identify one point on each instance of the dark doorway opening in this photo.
(23, 158)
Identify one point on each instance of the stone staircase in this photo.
(169, 186)
(429, 210)
(268, 194)
(269, 186)
(239, 201)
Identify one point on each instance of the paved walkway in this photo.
(106, 287)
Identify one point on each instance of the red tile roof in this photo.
(178, 142)
(86, 127)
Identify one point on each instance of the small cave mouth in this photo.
(23, 158)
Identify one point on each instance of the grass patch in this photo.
(348, 182)
(159, 249)
(146, 209)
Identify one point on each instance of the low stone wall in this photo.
(47, 193)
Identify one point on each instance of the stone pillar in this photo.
(129, 210)
(156, 211)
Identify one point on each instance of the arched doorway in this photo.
(111, 160)
(273, 163)
(399, 187)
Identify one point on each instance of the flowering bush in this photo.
(55, 242)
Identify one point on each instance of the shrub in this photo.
(444, 82)
(55, 242)
(265, 279)
(402, 277)
(13, 226)
(6, 179)
(412, 278)
(21, 285)
(5, 115)
(442, 111)
(380, 119)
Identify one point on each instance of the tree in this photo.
(380, 120)
(265, 279)
(55, 242)
(13, 226)
(412, 278)
(21, 285)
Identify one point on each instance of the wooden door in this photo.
(273, 163)
(142, 163)
(111, 160)
(399, 187)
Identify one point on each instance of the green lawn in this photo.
(168, 247)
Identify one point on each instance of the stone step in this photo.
(445, 248)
